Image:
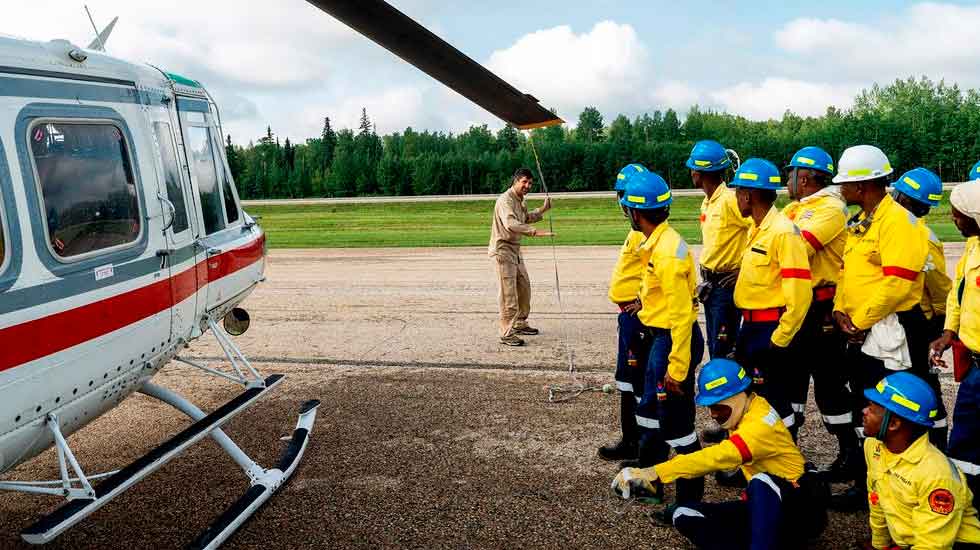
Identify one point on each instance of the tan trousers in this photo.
(515, 295)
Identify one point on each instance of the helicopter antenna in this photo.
(100, 37)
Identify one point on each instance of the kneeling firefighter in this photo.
(783, 505)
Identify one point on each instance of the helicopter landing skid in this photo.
(49, 527)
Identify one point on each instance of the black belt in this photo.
(713, 276)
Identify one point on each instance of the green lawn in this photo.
(576, 221)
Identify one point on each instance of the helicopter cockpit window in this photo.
(87, 186)
(202, 162)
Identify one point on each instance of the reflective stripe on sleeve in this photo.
(789, 421)
(799, 407)
(900, 272)
(941, 423)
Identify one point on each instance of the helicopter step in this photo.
(55, 523)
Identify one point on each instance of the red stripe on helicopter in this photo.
(39, 338)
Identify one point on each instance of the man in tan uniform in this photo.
(511, 221)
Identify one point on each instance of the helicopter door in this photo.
(181, 253)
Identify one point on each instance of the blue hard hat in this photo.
(974, 173)
(719, 380)
(906, 395)
(708, 156)
(646, 191)
(813, 158)
(757, 174)
(626, 173)
(922, 185)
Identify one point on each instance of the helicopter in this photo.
(123, 240)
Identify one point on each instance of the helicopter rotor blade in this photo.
(404, 37)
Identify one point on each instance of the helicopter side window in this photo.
(87, 187)
(171, 174)
(202, 162)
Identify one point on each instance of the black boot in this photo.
(849, 464)
(653, 450)
(731, 478)
(623, 450)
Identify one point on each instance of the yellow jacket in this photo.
(775, 273)
(918, 499)
(668, 294)
(963, 304)
(936, 283)
(723, 231)
(760, 443)
(627, 277)
(883, 266)
(822, 219)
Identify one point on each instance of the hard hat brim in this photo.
(872, 395)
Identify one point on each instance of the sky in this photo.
(286, 64)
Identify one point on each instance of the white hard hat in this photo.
(862, 163)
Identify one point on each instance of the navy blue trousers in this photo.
(627, 369)
(964, 440)
(721, 321)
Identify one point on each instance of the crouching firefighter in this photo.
(782, 507)
(624, 291)
(673, 344)
(918, 498)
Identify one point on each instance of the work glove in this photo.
(635, 482)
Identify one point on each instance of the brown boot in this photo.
(511, 340)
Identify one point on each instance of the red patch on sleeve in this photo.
(743, 449)
(703, 217)
(873, 498)
(941, 501)
(812, 239)
(900, 272)
(789, 273)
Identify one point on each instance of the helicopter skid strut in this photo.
(263, 482)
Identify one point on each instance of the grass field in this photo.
(576, 221)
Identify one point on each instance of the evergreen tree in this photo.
(589, 129)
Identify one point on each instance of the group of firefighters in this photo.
(861, 304)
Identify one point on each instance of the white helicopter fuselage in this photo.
(120, 233)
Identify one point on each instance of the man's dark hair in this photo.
(916, 430)
(522, 173)
(656, 216)
(820, 178)
(881, 182)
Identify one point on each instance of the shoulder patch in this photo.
(681, 249)
(941, 501)
(772, 417)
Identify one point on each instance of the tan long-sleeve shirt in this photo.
(511, 221)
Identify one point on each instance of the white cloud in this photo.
(675, 95)
(604, 67)
(773, 96)
(934, 39)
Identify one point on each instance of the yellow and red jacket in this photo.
(822, 219)
(883, 263)
(668, 294)
(935, 282)
(760, 443)
(723, 231)
(918, 499)
(963, 304)
(627, 277)
(775, 273)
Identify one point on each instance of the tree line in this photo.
(916, 122)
